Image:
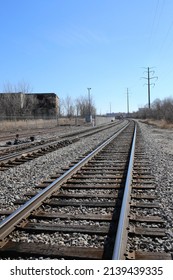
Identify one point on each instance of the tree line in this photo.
(81, 106)
(160, 110)
(20, 104)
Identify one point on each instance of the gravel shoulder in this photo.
(159, 148)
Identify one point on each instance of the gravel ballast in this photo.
(21, 179)
(159, 149)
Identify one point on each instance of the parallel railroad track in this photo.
(87, 212)
(22, 153)
(31, 132)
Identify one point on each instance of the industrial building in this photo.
(29, 104)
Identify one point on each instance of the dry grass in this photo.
(158, 123)
(26, 124)
(36, 124)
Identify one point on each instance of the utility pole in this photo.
(148, 72)
(127, 101)
(89, 104)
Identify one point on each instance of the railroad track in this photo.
(25, 152)
(88, 211)
(7, 136)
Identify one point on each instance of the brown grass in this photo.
(36, 124)
(158, 123)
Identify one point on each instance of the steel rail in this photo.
(122, 233)
(83, 133)
(29, 150)
(8, 224)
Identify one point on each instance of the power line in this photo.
(149, 78)
(154, 20)
(155, 25)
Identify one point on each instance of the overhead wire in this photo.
(154, 20)
(159, 9)
(164, 48)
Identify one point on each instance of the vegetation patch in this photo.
(158, 123)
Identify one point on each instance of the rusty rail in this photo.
(122, 234)
(19, 216)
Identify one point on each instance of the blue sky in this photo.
(66, 46)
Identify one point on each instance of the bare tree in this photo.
(20, 87)
(167, 108)
(61, 107)
(85, 105)
(10, 104)
(14, 101)
(69, 106)
(157, 112)
(81, 104)
(160, 110)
